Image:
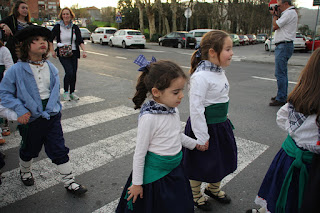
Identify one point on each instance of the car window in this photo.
(122, 33)
(199, 34)
(189, 34)
(170, 35)
(110, 31)
(117, 33)
(299, 36)
(134, 33)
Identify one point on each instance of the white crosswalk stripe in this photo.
(95, 154)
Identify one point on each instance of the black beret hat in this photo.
(33, 30)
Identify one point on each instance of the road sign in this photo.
(188, 13)
(316, 2)
(118, 18)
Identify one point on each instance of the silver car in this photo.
(85, 33)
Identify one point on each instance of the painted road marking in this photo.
(79, 122)
(84, 159)
(121, 57)
(83, 101)
(248, 151)
(271, 79)
(97, 53)
(146, 50)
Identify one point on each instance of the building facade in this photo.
(44, 9)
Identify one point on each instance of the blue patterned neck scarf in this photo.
(152, 107)
(66, 26)
(206, 65)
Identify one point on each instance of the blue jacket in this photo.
(19, 92)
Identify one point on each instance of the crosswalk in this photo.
(95, 154)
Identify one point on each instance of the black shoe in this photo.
(273, 98)
(276, 103)
(205, 207)
(226, 199)
(27, 181)
(77, 191)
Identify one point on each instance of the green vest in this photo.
(216, 113)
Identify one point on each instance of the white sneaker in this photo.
(66, 96)
(74, 97)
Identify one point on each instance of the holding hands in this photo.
(203, 147)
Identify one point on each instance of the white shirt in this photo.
(65, 36)
(42, 76)
(306, 136)
(206, 88)
(5, 57)
(160, 134)
(287, 23)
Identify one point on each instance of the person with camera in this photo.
(285, 21)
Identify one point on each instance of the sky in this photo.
(113, 3)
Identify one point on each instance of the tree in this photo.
(150, 10)
(140, 7)
(108, 14)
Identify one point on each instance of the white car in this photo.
(85, 33)
(299, 43)
(102, 35)
(198, 34)
(128, 37)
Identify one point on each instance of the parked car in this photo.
(252, 38)
(310, 42)
(244, 40)
(299, 43)
(85, 33)
(126, 38)
(178, 39)
(198, 33)
(235, 39)
(265, 35)
(261, 39)
(102, 35)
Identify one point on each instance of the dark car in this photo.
(178, 39)
(252, 38)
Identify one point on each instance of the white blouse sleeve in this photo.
(7, 58)
(198, 89)
(144, 135)
(282, 117)
(187, 142)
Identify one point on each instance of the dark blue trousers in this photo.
(44, 132)
(70, 65)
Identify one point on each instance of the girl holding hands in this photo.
(209, 100)
(158, 183)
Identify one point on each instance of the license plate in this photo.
(137, 40)
(191, 43)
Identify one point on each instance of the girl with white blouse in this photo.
(209, 100)
(283, 186)
(158, 183)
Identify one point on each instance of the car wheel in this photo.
(101, 42)
(91, 40)
(142, 47)
(180, 45)
(124, 46)
(266, 47)
(110, 43)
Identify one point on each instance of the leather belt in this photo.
(283, 42)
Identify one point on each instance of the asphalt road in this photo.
(100, 131)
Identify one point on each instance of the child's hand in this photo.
(24, 119)
(134, 191)
(203, 147)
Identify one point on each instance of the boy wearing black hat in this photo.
(31, 88)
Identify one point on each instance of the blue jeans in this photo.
(70, 65)
(283, 52)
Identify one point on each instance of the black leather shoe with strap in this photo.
(225, 199)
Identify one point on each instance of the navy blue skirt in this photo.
(271, 185)
(218, 161)
(170, 194)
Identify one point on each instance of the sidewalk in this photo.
(297, 59)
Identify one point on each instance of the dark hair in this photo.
(305, 96)
(284, 1)
(214, 39)
(158, 75)
(66, 8)
(16, 13)
(24, 47)
(1, 44)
